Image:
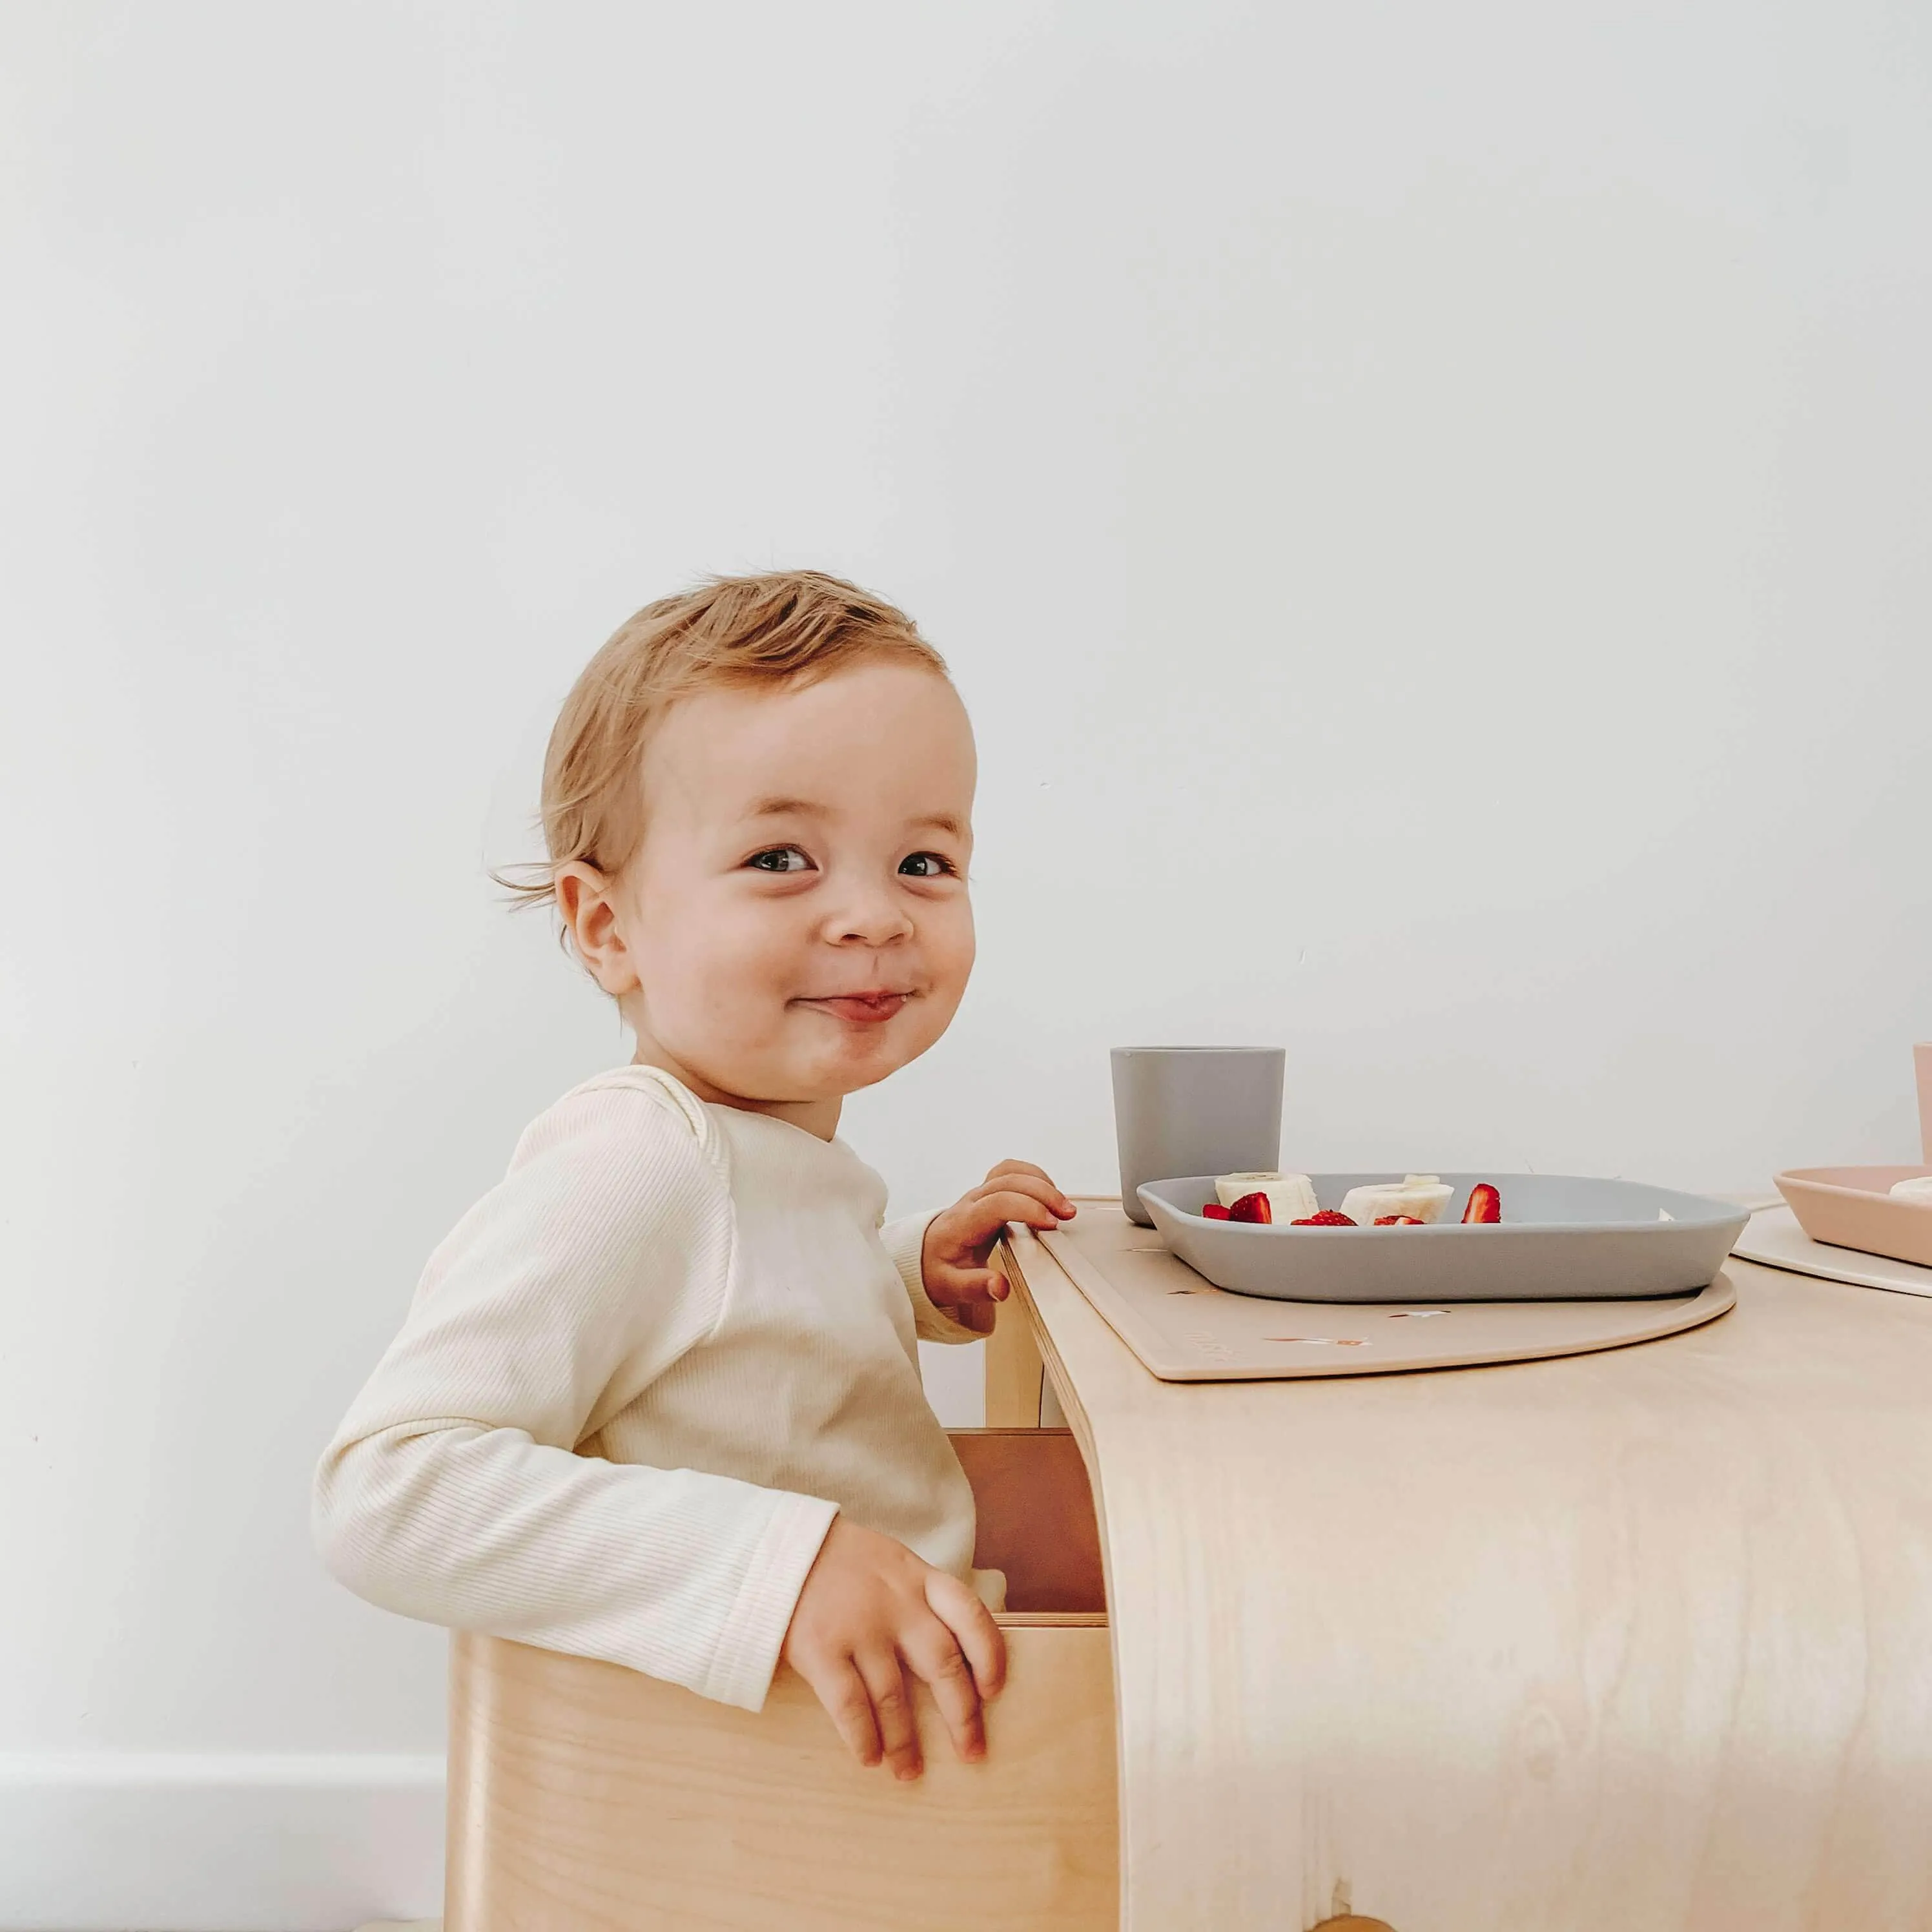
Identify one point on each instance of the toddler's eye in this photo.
(780, 859)
(926, 865)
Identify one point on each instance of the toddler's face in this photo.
(795, 924)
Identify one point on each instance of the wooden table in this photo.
(1630, 1641)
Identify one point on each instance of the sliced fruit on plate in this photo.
(1485, 1204)
(1214, 1211)
(1420, 1196)
(1328, 1218)
(1251, 1208)
(1398, 1221)
(1288, 1194)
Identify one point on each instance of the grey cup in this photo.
(1181, 1110)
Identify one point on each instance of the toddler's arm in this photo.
(451, 1492)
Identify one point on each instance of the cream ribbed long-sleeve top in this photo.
(636, 1382)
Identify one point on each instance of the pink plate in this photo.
(1850, 1208)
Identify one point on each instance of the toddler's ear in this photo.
(587, 901)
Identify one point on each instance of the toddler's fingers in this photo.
(1035, 1185)
(884, 1678)
(980, 1639)
(1011, 1170)
(953, 1287)
(1018, 1167)
(931, 1651)
(992, 1211)
(1027, 1189)
(848, 1704)
(981, 1317)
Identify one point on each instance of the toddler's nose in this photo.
(869, 919)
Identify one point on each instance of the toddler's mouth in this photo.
(869, 1009)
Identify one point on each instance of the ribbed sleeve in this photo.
(904, 1241)
(453, 1491)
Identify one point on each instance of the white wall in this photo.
(1428, 506)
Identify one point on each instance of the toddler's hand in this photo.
(871, 1611)
(960, 1241)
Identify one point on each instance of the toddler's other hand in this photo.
(959, 1243)
(870, 1611)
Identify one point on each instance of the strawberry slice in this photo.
(1397, 1221)
(1251, 1208)
(1328, 1218)
(1485, 1204)
(1214, 1211)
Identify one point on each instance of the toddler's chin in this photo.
(802, 1068)
(859, 1060)
(806, 1079)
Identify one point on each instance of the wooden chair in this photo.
(585, 1798)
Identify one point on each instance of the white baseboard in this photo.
(112, 1841)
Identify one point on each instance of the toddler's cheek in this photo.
(953, 949)
(922, 1024)
(948, 987)
(713, 1008)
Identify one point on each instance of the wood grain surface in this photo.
(1638, 1641)
(585, 1797)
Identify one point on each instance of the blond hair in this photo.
(729, 632)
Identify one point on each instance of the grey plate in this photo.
(1562, 1237)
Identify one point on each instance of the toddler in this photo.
(657, 1398)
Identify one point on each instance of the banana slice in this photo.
(1420, 1195)
(1290, 1197)
(1918, 1191)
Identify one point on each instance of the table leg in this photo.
(1015, 1375)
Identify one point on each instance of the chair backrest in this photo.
(585, 1797)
